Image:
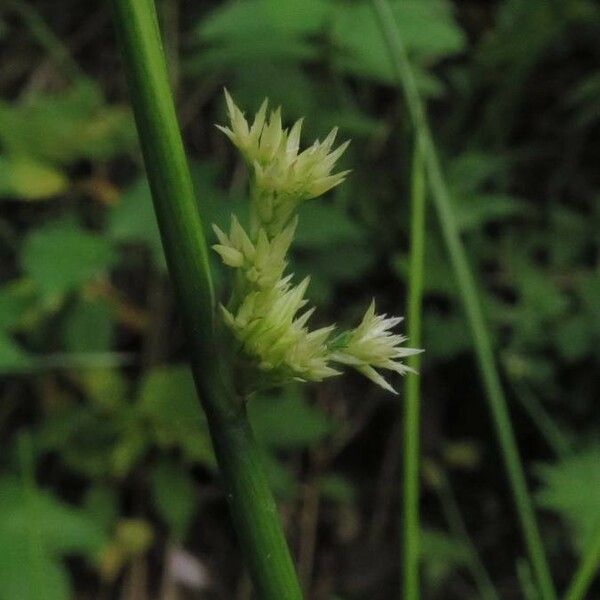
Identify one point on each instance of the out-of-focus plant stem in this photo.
(470, 298)
(250, 500)
(410, 506)
(587, 570)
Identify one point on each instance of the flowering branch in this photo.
(266, 314)
(243, 477)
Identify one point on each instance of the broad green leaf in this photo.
(574, 337)
(106, 388)
(249, 52)
(241, 19)
(426, 26)
(101, 505)
(168, 394)
(589, 292)
(539, 294)
(24, 575)
(217, 207)
(329, 266)
(571, 488)
(282, 481)
(17, 302)
(352, 122)
(13, 359)
(86, 439)
(471, 175)
(61, 528)
(130, 448)
(284, 84)
(132, 220)
(342, 263)
(570, 234)
(446, 336)
(440, 279)
(322, 224)
(257, 31)
(175, 498)
(134, 536)
(26, 179)
(470, 171)
(60, 257)
(168, 401)
(441, 556)
(88, 327)
(288, 422)
(473, 212)
(60, 128)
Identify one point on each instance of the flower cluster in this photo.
(282, 177)
(268, 314)
(262, 262)
(371, 345)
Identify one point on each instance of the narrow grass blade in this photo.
(587, 570)
(410, 512)
(470, 299)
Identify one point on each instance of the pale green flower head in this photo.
(262, 262)
(267, 313)
(273, 334)
(283, 177)
(373, 346)
(258, 142)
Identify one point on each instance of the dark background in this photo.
(108, 486)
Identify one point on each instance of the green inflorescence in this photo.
(268, 314)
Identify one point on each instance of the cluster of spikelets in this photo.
(267, 312)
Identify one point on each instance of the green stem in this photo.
(410, 516)
(250, 500)
(471, 304)
(587, 570)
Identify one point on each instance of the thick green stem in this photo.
(471, 304)
(252, 506)
(587, 570)
(410, 514)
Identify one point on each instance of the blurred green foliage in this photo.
(95, 385)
